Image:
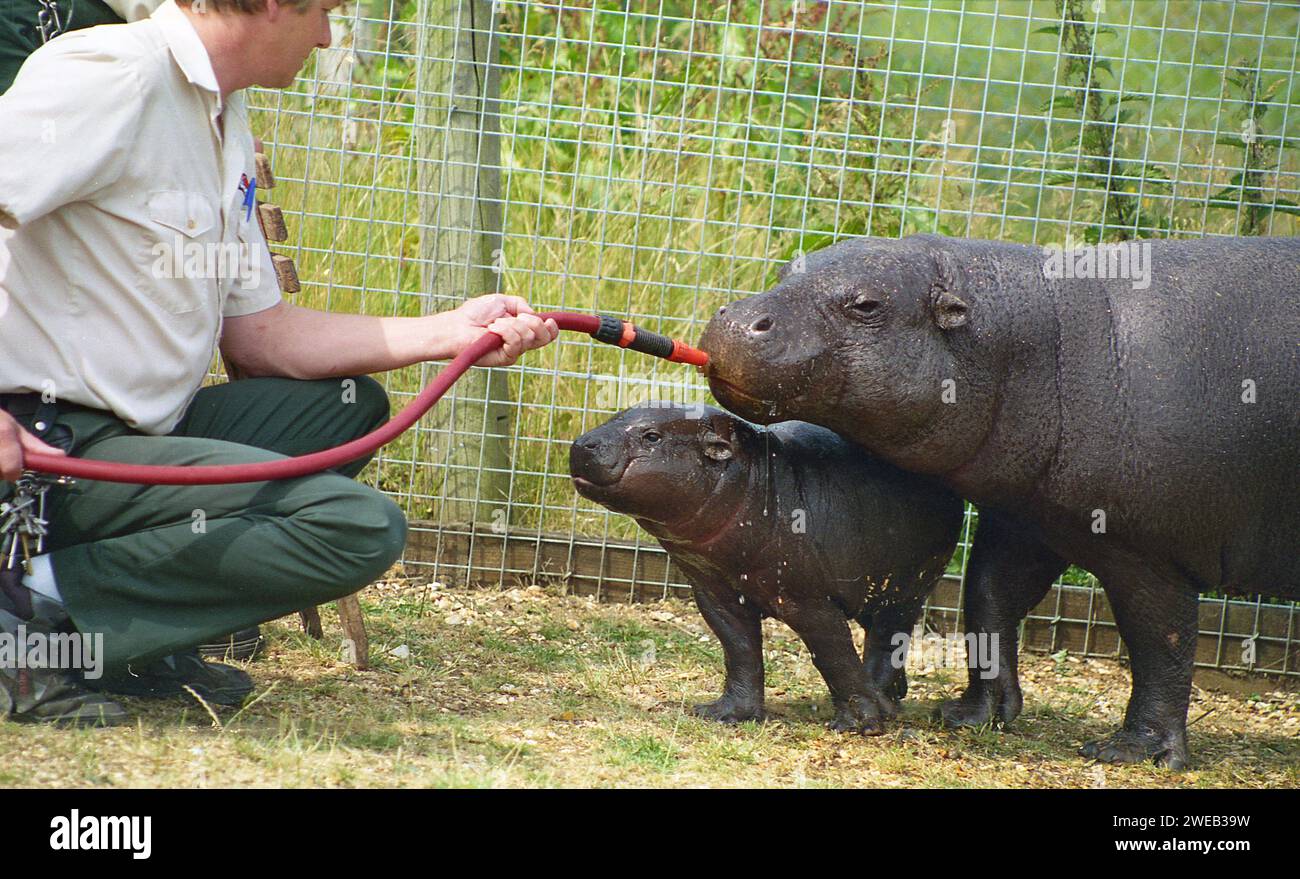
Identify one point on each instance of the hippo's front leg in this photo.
(1009, 573)
(738, 625)
(860, 705)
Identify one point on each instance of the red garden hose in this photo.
(600, 327)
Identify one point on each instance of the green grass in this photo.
(643, 751)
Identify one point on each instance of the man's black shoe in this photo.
(169, 676)
(242, 646)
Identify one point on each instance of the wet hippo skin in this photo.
(1145, 427)
(790, 522)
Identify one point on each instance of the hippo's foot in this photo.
(1168, 749)
(982, 705)
(729, 709)
(894, 686)
(865, 714)
(897, 689)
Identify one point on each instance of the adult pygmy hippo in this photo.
(1145, 427)
(790, 522)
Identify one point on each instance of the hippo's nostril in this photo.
(762, 325)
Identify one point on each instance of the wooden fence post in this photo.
(459, 162)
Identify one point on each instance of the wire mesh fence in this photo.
(658, 159)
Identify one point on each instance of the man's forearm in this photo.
(304, 343)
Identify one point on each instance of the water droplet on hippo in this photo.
(767, 471)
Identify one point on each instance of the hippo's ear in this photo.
(950, 310)
(717, 440)
(717, 448)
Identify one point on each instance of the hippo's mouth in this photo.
(732, 392)
(584, 483)
(742, 402)
(597, 489)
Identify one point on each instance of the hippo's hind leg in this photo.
(738, 625)
(1009, 573)
(885, 655)
(1158, 621)
(860, 706)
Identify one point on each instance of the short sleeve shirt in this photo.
(128, 224)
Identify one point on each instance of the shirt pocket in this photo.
(184, 259)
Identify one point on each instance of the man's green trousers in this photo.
(160, 569)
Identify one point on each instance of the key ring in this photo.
(22, 519)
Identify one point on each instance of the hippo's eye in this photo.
(864, 304)
(651, 437)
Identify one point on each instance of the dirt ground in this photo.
(529, 687)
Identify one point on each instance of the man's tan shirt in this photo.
(128, 228)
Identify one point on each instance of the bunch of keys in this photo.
(22, 519)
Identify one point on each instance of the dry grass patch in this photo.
(529, 687)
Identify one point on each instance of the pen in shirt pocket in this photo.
(248, 185)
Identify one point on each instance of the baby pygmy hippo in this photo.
(788, 521)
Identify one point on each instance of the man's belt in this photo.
(29, 401)
(42, 414)
(31, 405)
(21, 404)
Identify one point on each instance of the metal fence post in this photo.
(459, 155)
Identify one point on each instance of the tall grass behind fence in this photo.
(659, 159)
